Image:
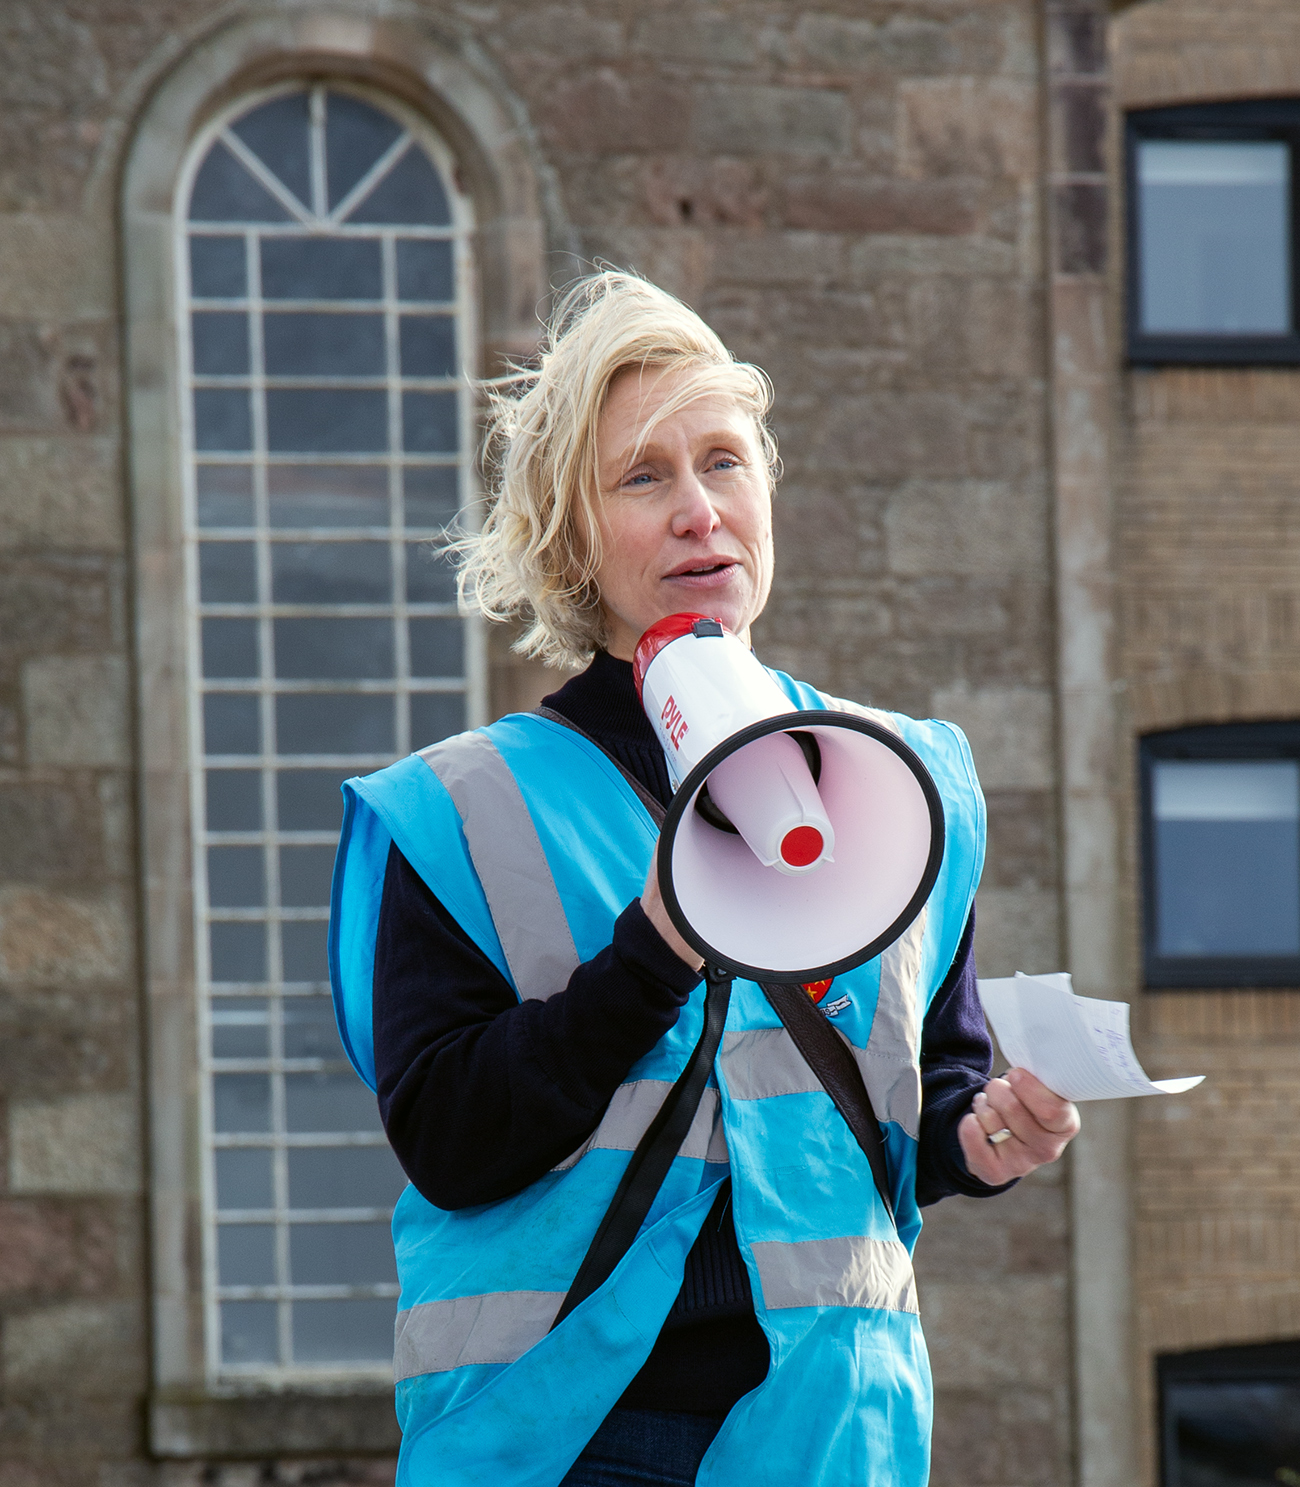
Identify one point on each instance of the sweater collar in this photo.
(602, 701)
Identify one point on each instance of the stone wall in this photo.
(851, 193)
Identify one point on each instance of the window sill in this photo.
(283, 1423)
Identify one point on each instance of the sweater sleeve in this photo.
(956, 1061)
(481, 1094)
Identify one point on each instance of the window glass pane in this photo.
(430, 422)
(225, 192)
(356, 135)
(327, 1102)
(244, 1178)
(241, 1102)
(432, 495)
(335, 723)
(344, 1177)
(277, 134)
(323, 649)
(231, 724)
(246, 1254)
(1234, 1433)
(249, 1332)
(410, 193)
(323, 420)
(424, 271)
(222, 419)
(428, 346)
(218, 268)
(227, 572)
(225, 495)
(436, 715)
(220, 342)
(235, 877)
(1227, 857)
(430, 575)
(335, 1254)
(305, 874)
(230, 648)
(437, 647)
(331, 572)
(239, 1028)
(309, 799)
(329, 1331)
(310, 344)
(234, 799)
(1214, 235)
(238, 952)
(310, 1029)
(302, 947)
(328, 495)
(321, 268)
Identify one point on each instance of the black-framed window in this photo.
(1221, 850)
(1213, 197)
(1230, 1417)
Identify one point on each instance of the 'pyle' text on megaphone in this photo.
(799, 843)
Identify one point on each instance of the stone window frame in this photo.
(1271, 119)
(444, 79)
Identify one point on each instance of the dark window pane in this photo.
(219, 268)
(335, 723)
(309, 799)
(1214, 233)
(341, 1254)
(1227, 847)
(344, 1177)
(230, 724)
(303, 948)
(227, 573)
(343, 1331)
(326, 421)
(437, 647)
(428, 346)
(225, 495)
(235, 877)
(328, 1102)
(244, 1178)
(238, 952)
(430, 575)
(277, 134)
(436, 715)
(225, 192)
(246, 1254)
(308, 344)
(321, 268)
(309, 650)
(410, 193)
(222, 420)
(430, 422)
(241, 1102)
(239, 1028)
(310, 1030)
(328, 495)
(424, 271)
(234, 799)
(432, 495)
(356, 135)
(220, 343)
(1233, 1433)
(230, 648)
(331, 573)
(305, 874)
(249, 1332)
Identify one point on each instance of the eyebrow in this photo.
(717, 439)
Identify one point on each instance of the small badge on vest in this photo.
(817, 991)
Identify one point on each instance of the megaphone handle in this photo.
(826, 1054)
(654, 1154)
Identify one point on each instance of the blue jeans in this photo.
(644, 1448)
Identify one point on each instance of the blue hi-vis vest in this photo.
(535, 842)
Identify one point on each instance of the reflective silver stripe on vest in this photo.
(890, 1063)
(495, 1328)
(853, 1271)
(630, 1112)
(510, 862)
(765, 1062)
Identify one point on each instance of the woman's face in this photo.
(687, 524)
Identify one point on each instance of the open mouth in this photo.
(703, 570)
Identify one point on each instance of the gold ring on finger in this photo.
(998, 1137)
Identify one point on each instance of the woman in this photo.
(499, 934)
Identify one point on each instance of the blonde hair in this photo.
(536, 555)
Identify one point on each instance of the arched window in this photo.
(327, 342)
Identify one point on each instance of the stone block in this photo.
(56, 267)
(81, 1143)
(1010, 731)
(902, 44)
(709, 38)
(986, 128)
(991, 1437)
(1079, 127)
(51, 938)
(961, 526)
(1076, 41)
(76, 711)
(566, 31)
(604, 112)
(893, 436)
(58, 602)
(1017, 929)
(1022, 839)
(1009, 1332)
(64, 1040)
(54, 379)
(773, 259)
(82, 1346)
(844, 202)
(684, 190)
(57, 1249)
(59, 493)
(1080, 217)
(758, 119)
(48, 832)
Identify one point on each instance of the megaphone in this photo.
(798, 844)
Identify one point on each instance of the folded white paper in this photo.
(1078, 1046)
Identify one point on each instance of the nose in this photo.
(694, 514)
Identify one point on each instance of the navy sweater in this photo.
(481, 1094)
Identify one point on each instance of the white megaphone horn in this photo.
(799, 843)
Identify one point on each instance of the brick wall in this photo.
(850, 193)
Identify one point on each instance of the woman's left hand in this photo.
(1041, 1124)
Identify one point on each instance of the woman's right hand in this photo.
(653, 905)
